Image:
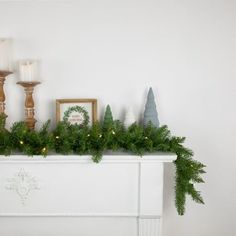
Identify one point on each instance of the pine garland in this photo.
(94, 140)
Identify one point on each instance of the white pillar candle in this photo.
(5, 54)
(28, 70)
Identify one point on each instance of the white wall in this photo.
(114, 50)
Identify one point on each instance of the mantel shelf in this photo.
(107, 157)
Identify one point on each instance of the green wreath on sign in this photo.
(77, 109)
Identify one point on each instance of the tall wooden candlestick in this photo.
(3, 75)
(29, 102)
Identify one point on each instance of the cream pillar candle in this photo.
(5, 54)
(28, 70)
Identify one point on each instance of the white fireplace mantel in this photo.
(71, 195)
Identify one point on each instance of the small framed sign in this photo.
(77, 111)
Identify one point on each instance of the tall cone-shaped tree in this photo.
(150, 113)
(108, 118)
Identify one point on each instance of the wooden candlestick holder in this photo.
(29, 102)
(3, 75)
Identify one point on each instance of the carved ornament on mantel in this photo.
(22, 183)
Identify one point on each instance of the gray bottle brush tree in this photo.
(150, 112)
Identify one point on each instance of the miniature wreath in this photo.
(77, 109)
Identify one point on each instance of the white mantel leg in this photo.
(149, 227)
(150, 199)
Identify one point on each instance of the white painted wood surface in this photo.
(71, 195)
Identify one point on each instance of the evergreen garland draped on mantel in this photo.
(110, 135)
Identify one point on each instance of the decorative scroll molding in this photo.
(22, 183)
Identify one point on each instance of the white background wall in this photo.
(114, 50)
